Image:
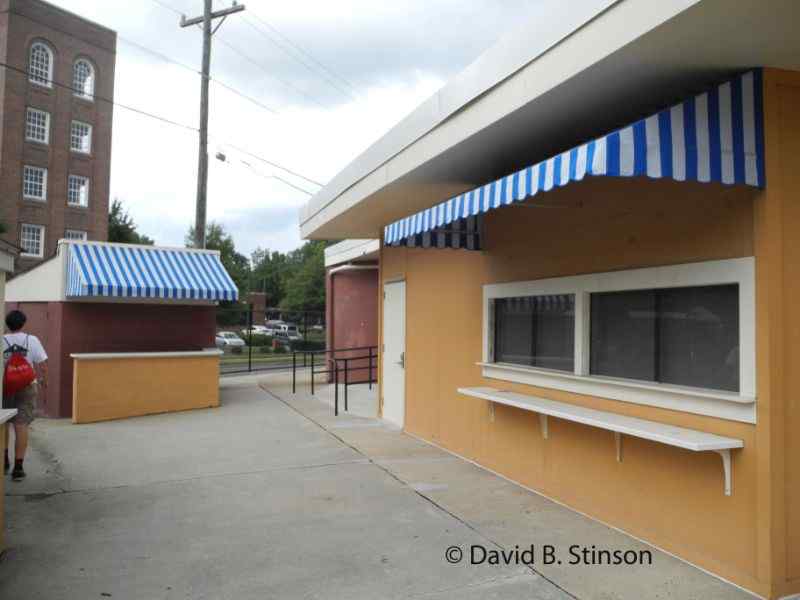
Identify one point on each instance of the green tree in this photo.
(121, 227)
(305, 287)
(237, 265)
(270, 273)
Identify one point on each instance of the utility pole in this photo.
(209, 15)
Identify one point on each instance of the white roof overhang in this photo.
(626, 61)
(352, 250)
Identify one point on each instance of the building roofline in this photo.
(627, 62)
(13, 8)
(350, 250)
(507, 56)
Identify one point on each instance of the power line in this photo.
(249, 59)
(273, 176)
(270, 163)
(246, 97)
(311, 69)
(145, 113)
(302, 50)
(168, 7)
(102, 99)
(254, 62)
(214, 80)
(160, 55)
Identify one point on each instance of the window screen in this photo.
(81, 137)
(536, 331)
(683, 336)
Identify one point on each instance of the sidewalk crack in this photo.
(407, 484)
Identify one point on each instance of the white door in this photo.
(394, 352)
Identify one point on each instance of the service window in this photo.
(536, 331)
(683, 336)
(679, 337)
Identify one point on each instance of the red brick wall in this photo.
(74, 327)
(21, 23)
(352, 313)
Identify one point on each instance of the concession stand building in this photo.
(590, 266)
(128, 329)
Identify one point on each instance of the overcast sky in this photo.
(368, 64)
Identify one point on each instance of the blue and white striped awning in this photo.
(124, 271)
(717, 136)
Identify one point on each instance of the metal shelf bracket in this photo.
(726, 467)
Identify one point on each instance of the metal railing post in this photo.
(336, 388)
(294, 372)
(312, 373)
(346, 381)
(250, 340)
(369, 374)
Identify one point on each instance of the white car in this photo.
(256, 330)
(292, 332)
(273, 326)
(228, 339)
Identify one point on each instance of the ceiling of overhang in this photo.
(701, 47)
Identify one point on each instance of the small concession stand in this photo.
(5, 416)
(129, 330)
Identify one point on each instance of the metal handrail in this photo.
(336, 369)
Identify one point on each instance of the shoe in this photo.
(18, 474)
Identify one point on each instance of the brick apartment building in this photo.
(55, 138)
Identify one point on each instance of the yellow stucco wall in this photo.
(128, 387)
(777, 218)
(670, 497)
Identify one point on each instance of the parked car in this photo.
(292, 332)
(273, 326)
(228, 339)
(256, 330)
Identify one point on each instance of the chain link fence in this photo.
(265, 339)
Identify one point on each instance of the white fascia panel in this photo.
(425, 133)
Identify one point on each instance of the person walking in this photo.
(19, 343)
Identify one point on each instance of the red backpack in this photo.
(18, 373)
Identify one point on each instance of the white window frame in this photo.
(33, 77)
(76, 235)
(727, 405)
(29, 111)
(70, 177)
(88, 149)
(43, 197)
(77, 91)
(42, 239)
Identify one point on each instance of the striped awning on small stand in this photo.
(717, 136)
(99, 269)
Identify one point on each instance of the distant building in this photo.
(258, 302)
(55, 158)
(351, 305)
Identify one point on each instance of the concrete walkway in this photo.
(269, 496)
